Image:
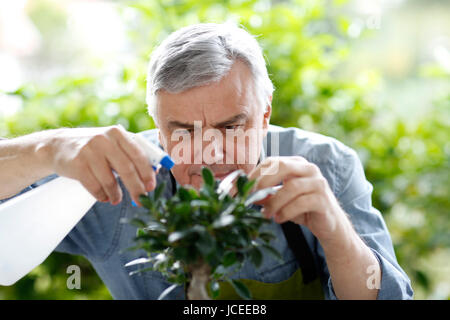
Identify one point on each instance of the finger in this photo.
(140, 161)
(120, 162)
(129, 176)
(291, 189)
(298, 207)
(103, 173)
(287, 167)
(138, 157)
(92, 185)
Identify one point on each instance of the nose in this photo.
(213, 153)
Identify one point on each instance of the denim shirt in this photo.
(103, 238)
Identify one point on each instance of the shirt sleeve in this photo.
(30, 187)
(18, 194)
(354, 193)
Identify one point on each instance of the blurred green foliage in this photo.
(305, 43)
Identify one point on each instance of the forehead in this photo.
(232, 95)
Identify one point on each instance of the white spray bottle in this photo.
(35, 222)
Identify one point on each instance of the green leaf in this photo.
(177, 235)
(146, 201)
(215, 288)
(138, 223)
(252, 220)
(235, 238)
(230, 208)
(183, 194)
(256, 257)
(248, 186)
(193, 193)
(266, 236)
(229, 259)
(161, 262)
(200, 203)
(180, 253)
(219, 271)
(208, 177)
(182, 208)
(167, 291)
(240, 257)
(241, 289)
(223, 221)
(205, 243)
(179, 278)
(138, 261)
(241, 182)
(141, 233)
(155, 226)
(159, 190)
(213, 258)
(260, 195)
(273, 252)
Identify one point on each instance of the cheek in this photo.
(180, 173)
(244, 149)
(196, 181)
(247, 168)
(180, 149)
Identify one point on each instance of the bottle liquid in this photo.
(35, 222)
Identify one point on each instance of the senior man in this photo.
(212, 79)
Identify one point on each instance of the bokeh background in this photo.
(374, 74)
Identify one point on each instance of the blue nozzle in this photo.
(167, 162)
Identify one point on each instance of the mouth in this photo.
(217, 175)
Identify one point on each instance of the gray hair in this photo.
(201, 54)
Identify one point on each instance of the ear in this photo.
(266, 116)
(161, 141)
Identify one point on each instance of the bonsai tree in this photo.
(200, 238)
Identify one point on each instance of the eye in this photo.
(185, 131)
(233, 126)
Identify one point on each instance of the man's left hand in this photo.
(305, 197)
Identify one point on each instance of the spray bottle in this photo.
(35, 222)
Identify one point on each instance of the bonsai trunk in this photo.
(200, 277)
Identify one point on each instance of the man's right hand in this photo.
(90, 154)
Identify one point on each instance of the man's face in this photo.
(220, 126)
